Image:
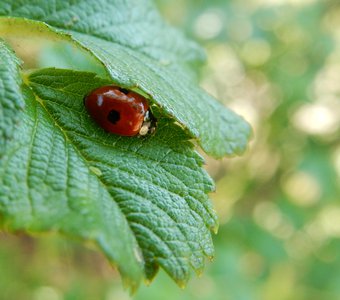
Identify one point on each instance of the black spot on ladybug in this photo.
(113, 116)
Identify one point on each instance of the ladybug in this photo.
(120, 111)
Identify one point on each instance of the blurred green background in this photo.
(277, 63)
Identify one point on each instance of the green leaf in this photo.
(128, 195)
(143, 201)
(11, 100)
(139, 51)
(133, 24)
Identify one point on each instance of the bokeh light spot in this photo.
(256, 52)
(209, 24)
(316, 119)
(47, 292)
(302, 188)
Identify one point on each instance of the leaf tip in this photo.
(215, 227)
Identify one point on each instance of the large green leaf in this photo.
(143, 201)
(64, 173)
(11, 100)
(133, 24)
(139, 51)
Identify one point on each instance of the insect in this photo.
(120, 111)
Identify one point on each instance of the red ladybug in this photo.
(120, 111)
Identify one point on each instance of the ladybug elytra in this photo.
(120, 111)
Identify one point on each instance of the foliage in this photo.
(143, 201)
(276, 63)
